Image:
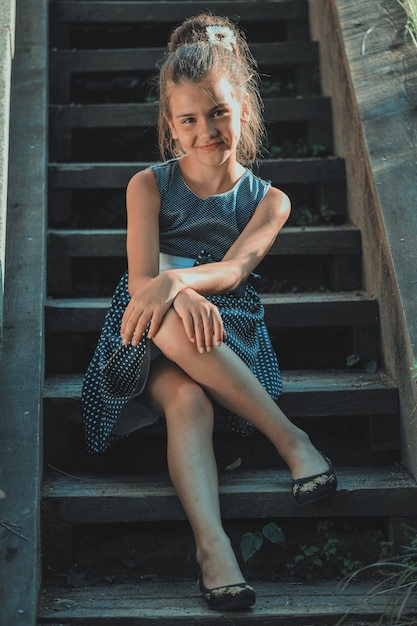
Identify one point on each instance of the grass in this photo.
(410, 7)
(398, 585)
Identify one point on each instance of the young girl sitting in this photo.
(185, 332)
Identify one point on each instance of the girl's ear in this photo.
(245, 109)
(171, 127)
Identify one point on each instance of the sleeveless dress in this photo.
(192, 231)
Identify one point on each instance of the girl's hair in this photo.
(201, 44)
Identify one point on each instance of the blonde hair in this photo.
(193, 51)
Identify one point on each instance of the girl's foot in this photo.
(305, 460)
(229, 597)
(316, 487)
(312, 472)
(219, 566)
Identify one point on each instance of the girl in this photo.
(185, 330)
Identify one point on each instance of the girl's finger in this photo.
(199, 333)
(219, 335)
(203, 328)
(155, 321)
(208, 325)
(188, 324)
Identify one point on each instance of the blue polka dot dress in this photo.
(198, 229)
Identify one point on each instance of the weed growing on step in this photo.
(305, 216)
(410, 7)
(329, 560)
(251, 542)
(277, 89)
(398, 584)
(335, 550)
(295, 149)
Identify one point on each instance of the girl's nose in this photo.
(210, 128)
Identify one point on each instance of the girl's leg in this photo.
(226, 379)
(192, 467)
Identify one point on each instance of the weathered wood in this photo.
(282, 310)
(319, 309)
(344, 271)
(117, 175)
(125, 59)
(64, 63)
(306, 394)
(338, 395)
(21, 350)
(284, 604)
(161, 12)
(83, 499)
(134, 115)
(325, 240)
(384, 80)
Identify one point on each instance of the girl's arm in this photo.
(245, 254)
(142, 244)
(152, 294)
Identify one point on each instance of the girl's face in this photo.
(206, 118)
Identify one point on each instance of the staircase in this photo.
(116, 546)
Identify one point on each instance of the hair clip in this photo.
(221, 36)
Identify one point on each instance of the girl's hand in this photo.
(202, 321)
(149, 304)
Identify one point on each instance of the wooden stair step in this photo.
(118, 11)
(258, 493)
(133, 115)
(281, 311)
(180, 603)
(306, 394)
(292, 240)
(117, 175)
(127, 59)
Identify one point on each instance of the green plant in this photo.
(326, 561)
(294, 149)
(410, 7)
(305, 216)
(251, 542)
(398, 584)
(275, 88)
(270, 88)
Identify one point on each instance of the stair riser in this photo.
(298, 348)
(133, 552)
(359, 440)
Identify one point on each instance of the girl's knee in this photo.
(190, 403)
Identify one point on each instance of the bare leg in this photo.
(227, 380)
(193, 469)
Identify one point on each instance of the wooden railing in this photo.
(371, 78)
(21, 349)
(7, 34)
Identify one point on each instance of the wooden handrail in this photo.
(7, 44)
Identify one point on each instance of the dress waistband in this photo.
(172, 262)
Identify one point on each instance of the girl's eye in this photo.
(219, 113)
(188, 120)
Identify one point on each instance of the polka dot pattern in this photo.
(187, 224)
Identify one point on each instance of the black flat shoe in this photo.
(314, 488)
(228, 598)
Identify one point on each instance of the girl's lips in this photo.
(210, 147)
